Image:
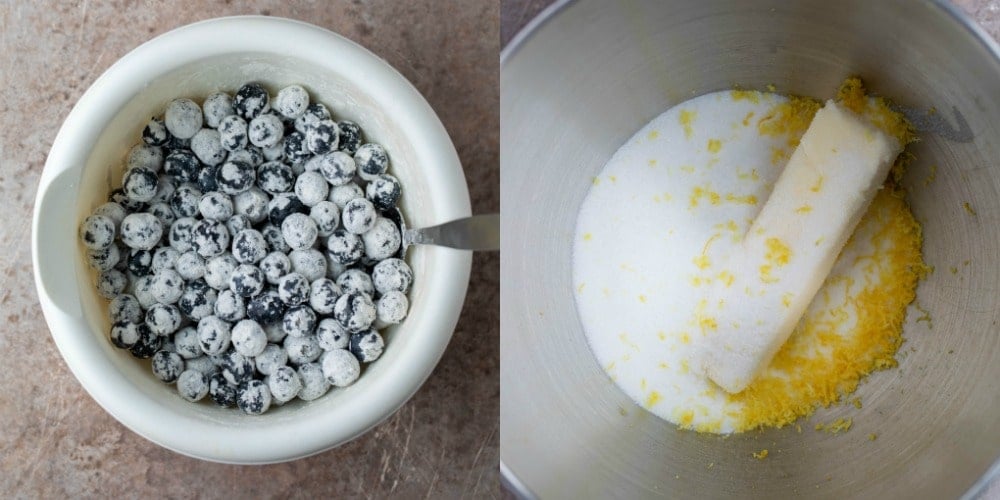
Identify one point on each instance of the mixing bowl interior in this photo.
(592, 73)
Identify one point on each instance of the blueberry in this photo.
(314, 383)
(252, 204)
(105, 259)
(273, 357)
(340, 367)
(164, 258)
(190, 265)
(326, 215)
(310, 263)
(392, 274)
(214, 335)
(371, 160)
(299, 231)
(167, 366)
(311, 188)
(299, 321)
(118, 196)
(359, 216)
(141, 231)
(181, 235)
(97, 232)
(330, 335)
(367, 345)
(192, 385)
(323, 295)
(209, 238)
(183, 118)
(230, 306)
(383, 191)
(197, 302)
(355, 281)
(207, 146)
(350, 136)
(275, 177)
(275, 240)
(145, 156)
(382, 240)
(155, 133)
(236, 368)
(312, 115)
(233, 133)
(338, 168)
(302, 349)
(222, 392)
(248, 338)
(184, 201)
(281, 206)
(253, 397)
(219, 270)
(163, 212)
(207, 175)
(354, 311)
(124, 334)
(323, 136)
(266, 131)
(125, 307)
(247, 280)
(340, 195)
(234, 177)
(140, 184)
(216, 206)
(295, 147)
(266, 308)
(186, 343)
(237, 223)
(163, 319)
(147, 342)
(216, 107)
(167, 286)
(344, 248)
(251, 100)
(291, 101)
(249, 246)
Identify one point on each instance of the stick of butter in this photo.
(826, 187)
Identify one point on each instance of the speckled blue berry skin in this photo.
(266, 132)
(251, 101)
(118, 196)
(296, 148)
(247, 280)
(155, 133)
(344, 248)
(182, 166)
(299, 321)
(249, 246)
(371, 160)
(293, 289)
(322, 136)
(140, 184)
(356, 281)
(163, 212)
(141, 231)
(209, 238)
(124, 334)
(312, 115)
(233, 133)
(367, 345)
(275, 177)
(184, 201)
(147, 344)
(253, 397)
(105, 259)
(350, 136)
(197, 302)
(338, 168)
(266, 308)
(383, 191)
(221, 391)
(206, 178)
(354, 311)
(281, 206)
(236, 368)
(167, 366)
(183, 118)
(234, 177)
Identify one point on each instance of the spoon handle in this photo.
(479, 232)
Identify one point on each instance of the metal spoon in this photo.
(479, 232)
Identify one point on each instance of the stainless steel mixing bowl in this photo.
(588, 74)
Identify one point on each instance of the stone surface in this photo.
(55, 441)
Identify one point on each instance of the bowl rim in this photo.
(508, 477)
(139, 411)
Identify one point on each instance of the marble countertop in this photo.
(55, 441)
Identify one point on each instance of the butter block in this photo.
(789, 249)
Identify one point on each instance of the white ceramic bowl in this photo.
(86, 163)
